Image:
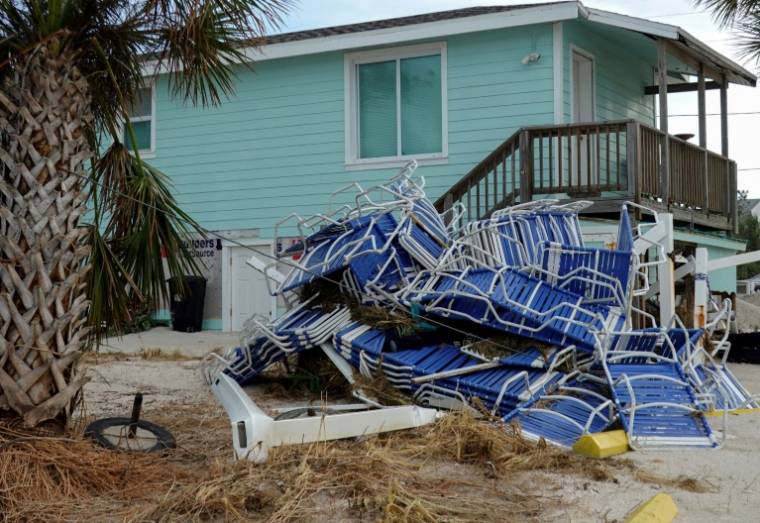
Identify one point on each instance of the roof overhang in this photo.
(682, 44)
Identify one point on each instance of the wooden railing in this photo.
(493, 184)
(598, 161)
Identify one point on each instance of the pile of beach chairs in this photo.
(512, 314)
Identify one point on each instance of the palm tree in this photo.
(744, 17)
(70, 71)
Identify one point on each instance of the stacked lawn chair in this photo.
(373, 247)
(577, 406)
(264, 343)
(524, 273)
(376, 246)
(511, 300)
(710, 377)
(653, 398)
(444, 373)
(527, 272)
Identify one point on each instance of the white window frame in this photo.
(146, 153)
(351, 89)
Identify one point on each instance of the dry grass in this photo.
(327, 294)
(401, 477)
(157, 354)
(681, 482)
(148, 354)
(380, 389)
(501, 346)
(457, 470)
(44, 479)
(383, 319)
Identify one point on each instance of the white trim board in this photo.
(631, 23)
(574, 49)
(540, 14)
(559, 86)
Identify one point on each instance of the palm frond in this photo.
(748, 32)
(112, 293)
(138, 238)
(145, 224)
(199, 43)
(729, 12)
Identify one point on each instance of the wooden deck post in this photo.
(662, 80)
(702, 103)
(526, 167)
(632, 160)
(734, 202)
(448, 203)
(724, 146)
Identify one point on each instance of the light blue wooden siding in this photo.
(279, 146)
(620, 77)
(260, 155)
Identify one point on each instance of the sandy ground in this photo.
(731, 474)
(190, 344)
(748, 314)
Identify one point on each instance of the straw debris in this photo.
(502, 346)
(423, 475)
(326, 294)
(380, 389)
(465, 439)
(383, 319)
(700, 486)
(49, 479)
(157, 354)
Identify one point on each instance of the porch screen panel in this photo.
(421, 105)
(377, 110)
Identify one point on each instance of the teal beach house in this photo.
(498, 105)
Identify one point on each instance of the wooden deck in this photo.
(606, 163)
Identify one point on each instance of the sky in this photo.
(744, 146)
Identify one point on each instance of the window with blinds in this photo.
(398, 104)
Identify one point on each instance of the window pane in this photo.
(143, 105)
(377, 110)
(421, 105)
(142, 136)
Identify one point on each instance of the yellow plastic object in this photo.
(659, 509)
(717, 413)
(603, 444)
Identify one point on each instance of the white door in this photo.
(584, 101)
(248, 289)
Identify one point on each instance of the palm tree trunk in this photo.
(44, 113)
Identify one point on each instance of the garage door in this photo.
(249, 293)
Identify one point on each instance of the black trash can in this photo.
(187, 309)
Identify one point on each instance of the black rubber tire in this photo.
(305, 412)
(164, 439)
